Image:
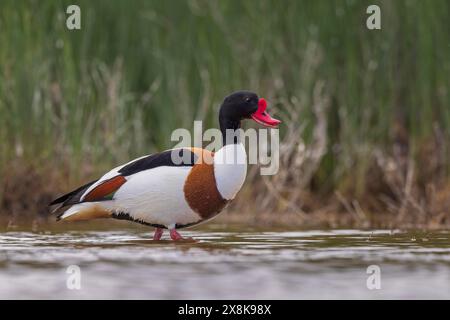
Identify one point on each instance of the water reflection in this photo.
(236, 264)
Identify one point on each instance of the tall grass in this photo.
(138, 69)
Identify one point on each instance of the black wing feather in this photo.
(158, 160)
(72, 197)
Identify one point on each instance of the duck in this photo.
(159, 191)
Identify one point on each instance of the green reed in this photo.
(138, 69)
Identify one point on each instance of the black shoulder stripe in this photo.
(170, 158)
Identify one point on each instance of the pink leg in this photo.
(175, 235)
(158, 233)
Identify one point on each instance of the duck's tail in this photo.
(85, 211)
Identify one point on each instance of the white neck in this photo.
(230, 169)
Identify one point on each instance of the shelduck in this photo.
(157, 191)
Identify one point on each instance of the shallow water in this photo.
(226, 265)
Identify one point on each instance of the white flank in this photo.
(230, 169)
(156, 196)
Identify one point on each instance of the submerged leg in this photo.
(158, 233)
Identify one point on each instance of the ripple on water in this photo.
(300, 264)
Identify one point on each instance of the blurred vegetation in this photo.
(136, 70)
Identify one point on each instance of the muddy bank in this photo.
(26, 190)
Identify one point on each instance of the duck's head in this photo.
(243, 105)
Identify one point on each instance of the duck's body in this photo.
(153, 190)
(158, 191)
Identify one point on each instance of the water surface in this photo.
(226, 265)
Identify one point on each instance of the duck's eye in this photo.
(248, 100)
